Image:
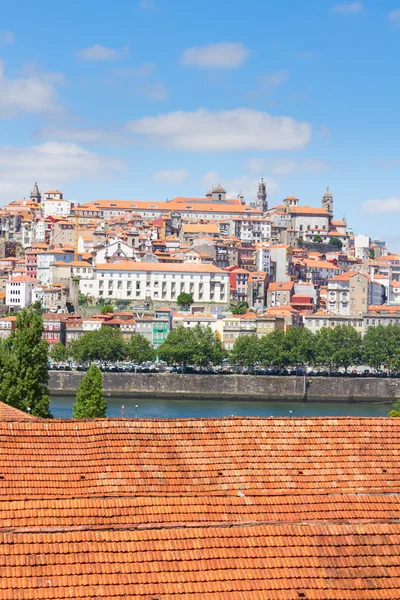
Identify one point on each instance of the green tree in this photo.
(82, 299)
(336, 242)
(207, 347)
(392, 336)
(59, 352)
(376, 346)
(272, 349)
(184, 300)
(105, 344)
(240, 308)
(178, 347)
(372, 253)
(107, 308)
(324, 348)
(299, 345)
(24, 377)
(246, 350)
(317, 239)
(340, 346)
(37, 306)
(90, 402)
(139, 349)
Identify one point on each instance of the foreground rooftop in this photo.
(248, 508)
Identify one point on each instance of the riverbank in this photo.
(234, 387)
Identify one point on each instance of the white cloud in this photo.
(238, 185)
(147, 5)
(275, 78)
(171, 176)
(88, 135)
(6, 37)
(51, 163)
(32, 94)
(285, 166)
(226, 55)
(98, 52)
(239, 129)
(384, 205)
(347, 8)
(394, 17)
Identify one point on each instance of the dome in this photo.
(219, 189)
(328, 194)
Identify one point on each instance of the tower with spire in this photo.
(262, 202)
(35, 195)
(327, 202)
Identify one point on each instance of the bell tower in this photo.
(327, 202)
(262, 202)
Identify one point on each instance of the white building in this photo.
(116, 250)
(307, 218)
(147, 282)
(361, 247)
(19, 291)
(351, 293)
(263, 259)
(55, 205)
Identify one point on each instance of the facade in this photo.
(7, 326)
(317, 272)
(280, 293)
(52, 298)
(19, 291)
(54, 329)
(321, 319)
(153, 329)
(258, 283)
(250, 323)
(150, 282)
(350, 293)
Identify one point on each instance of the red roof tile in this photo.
(225, 508)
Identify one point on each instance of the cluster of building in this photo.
(292, 265)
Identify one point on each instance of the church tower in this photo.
(262, 202)
(35, 195)
(327, 202)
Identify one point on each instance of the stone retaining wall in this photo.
(240, 387)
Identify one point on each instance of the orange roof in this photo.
(308, 210)
(129, 265)
(149, 511)
(9, 413)
(280, 285)
(345, 276)
(23, 279)
(319, 264)
(200, 228)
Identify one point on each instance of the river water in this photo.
(61, 407)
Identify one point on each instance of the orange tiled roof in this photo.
(221, 508)
(9, 413)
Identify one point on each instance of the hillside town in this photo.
(247, 267)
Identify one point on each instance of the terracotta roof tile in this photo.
(246, 508)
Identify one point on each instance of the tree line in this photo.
(23, 356)
(333, 348)
(337, 347)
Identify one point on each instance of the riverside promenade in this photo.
(240, 387)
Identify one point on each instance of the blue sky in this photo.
(151, 99)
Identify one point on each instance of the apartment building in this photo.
(19, 291)
(350, 293)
